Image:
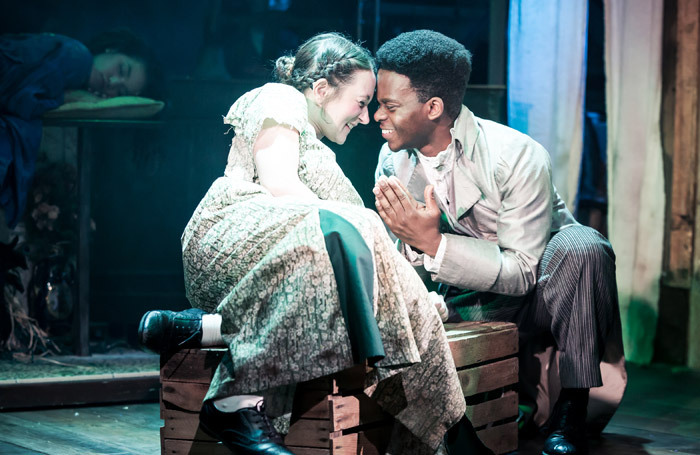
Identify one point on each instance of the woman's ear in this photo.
(436, 107)
(320, 89)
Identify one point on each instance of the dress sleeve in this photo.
(281, 103)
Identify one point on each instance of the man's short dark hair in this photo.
(435, 64)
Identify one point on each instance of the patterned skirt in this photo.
(261, 262)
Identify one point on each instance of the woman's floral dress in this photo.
(260, 261)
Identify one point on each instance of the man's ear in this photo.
(320, 89)
(436, 107)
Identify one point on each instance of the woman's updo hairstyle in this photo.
(327, 55)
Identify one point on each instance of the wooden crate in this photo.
(485, 354)
(185, 377)
(331, 415)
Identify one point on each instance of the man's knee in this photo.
(579, 248)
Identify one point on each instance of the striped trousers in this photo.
(574, 306)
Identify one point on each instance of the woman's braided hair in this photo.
(329, 56)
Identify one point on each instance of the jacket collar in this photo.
(465, 132)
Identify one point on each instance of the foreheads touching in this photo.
(436, 66)
(338, 79)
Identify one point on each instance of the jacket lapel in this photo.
(467, 193)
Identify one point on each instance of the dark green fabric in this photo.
(464, 301)
(354, 274)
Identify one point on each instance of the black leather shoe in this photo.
(568, 428)
(462, 439)
(247, 431)
(167, 331)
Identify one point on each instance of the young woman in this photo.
(289, 270)
(36, 71)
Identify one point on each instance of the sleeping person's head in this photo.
(123, 65)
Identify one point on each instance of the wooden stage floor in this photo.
(660, 414)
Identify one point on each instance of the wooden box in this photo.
(331, 415)
(485, 354)
(185, 377)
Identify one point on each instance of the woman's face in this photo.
(117, 74)
(347, 106)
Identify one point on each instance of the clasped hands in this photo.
(415, 224)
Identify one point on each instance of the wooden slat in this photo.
(79, 390)
(191, 365)
(345, 445)
(354, 410)
(689, 35)
(494, 410)
(344, 412)
(184, 447)
(685, 147)
(470, 347)
(369, 442)
(182, 425)
(309, 433)
(501, 438)
(489, 377)
(308, 451)
(458, 328)
(185, 395)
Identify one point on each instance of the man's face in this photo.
(401, 116)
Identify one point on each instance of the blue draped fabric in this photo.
(35, 70)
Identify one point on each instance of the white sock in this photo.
(236, 402)
(211, 330)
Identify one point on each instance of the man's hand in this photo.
(414, 223)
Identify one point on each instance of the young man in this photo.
(473, 205)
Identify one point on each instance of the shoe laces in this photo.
(263, 422)
(188, 339)
(181, 328)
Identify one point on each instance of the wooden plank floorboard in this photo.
(109, 430)
(660, 415)
(12, 449)
(620, 440)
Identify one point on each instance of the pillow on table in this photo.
(83, 104)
